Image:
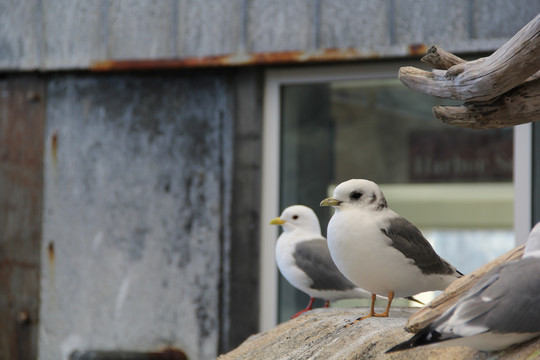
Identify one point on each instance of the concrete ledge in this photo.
(321, 334)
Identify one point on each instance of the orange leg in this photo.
(372, 308)
(385, 313)
(308, 307)
(327, 303)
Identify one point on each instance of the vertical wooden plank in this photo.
(21, 184)
(240, 290)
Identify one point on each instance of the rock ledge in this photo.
(321, 334)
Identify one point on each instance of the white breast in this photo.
(365, 255)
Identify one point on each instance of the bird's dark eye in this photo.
(356, 195)
(295, 217)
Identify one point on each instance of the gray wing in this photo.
(313, 257)
(410, 242)
(505, 300)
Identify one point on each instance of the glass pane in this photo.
(454, 184)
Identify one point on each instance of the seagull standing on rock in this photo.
(379, 250)
(303, 258)
(500, 310)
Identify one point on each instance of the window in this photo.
(325, 126)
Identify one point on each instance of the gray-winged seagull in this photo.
(379, 250)
(500, 310)
(303, 258)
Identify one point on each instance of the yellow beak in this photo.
(277, 221)
(330, 202)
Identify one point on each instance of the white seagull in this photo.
(500, 310)
(303, 258)
(379, 250)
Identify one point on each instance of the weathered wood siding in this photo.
(21, 194)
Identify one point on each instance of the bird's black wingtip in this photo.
(418, 339)
(412, 298)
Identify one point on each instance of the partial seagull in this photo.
(500, 310)
(303, 258)
(380, 251)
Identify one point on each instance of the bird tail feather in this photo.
(421, 338)
(412, 298)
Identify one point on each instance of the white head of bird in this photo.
(298, 218)
(357, 193)
(532, 249)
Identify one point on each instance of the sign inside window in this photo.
(446, 155)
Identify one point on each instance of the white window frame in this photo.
(274, 80)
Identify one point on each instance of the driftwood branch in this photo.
(448, 297)
(518, 106)
(485, 78)
(500, 90)
(441, 59)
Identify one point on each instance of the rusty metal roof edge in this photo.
(245, 59)
(329, 55)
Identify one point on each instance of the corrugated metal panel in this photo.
(33, 38)
(133, 204)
